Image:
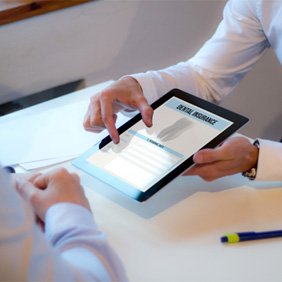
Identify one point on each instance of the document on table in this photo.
(39, 138)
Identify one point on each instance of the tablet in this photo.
(146, 159)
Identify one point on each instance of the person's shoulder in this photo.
(255, 8)
(246, 11)
(244, 7)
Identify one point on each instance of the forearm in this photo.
(182, 76)
(72, 231)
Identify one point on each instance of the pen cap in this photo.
(230, 238)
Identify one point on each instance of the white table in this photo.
(175, 235)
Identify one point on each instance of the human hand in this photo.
(45, 190)
(235, 155)
(124, 94)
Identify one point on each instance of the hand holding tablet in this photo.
(146, 159)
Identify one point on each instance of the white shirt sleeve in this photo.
(75, 250)
(270, 161)
(238, 43)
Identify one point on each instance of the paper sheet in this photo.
(45, 163)
(53, 133)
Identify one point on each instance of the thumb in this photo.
(209, 155)
(26, 189)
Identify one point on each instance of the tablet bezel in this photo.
(237, 119)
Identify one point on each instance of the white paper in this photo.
(45, 163)
(51, 130)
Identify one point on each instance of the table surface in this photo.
(175, 235)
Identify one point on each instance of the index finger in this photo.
(146, 111)
(92, 120)
(109, 118)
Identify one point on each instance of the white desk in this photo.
(174, 236)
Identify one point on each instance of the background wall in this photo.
(106, 39)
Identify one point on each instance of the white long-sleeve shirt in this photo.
(248, 29)
(72, 248)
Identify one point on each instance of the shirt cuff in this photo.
(148, 87)
(62, 217)
(269, 161)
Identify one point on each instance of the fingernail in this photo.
(197, 158)
(115, 139)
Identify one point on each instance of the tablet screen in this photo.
(144, 156)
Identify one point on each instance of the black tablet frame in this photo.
(237, 119)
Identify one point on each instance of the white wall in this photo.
(106, 39)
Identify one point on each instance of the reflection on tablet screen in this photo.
(144, 155)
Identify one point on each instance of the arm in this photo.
(238, 43)
(73, 232)
(237, 155)
(74, 249)
(213, 72)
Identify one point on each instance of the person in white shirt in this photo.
(247, 30)
(71, 248)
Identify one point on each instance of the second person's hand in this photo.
(124, 94)
(45, 190)
(235, 155)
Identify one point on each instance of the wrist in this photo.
(132, 83)
(253, 161)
